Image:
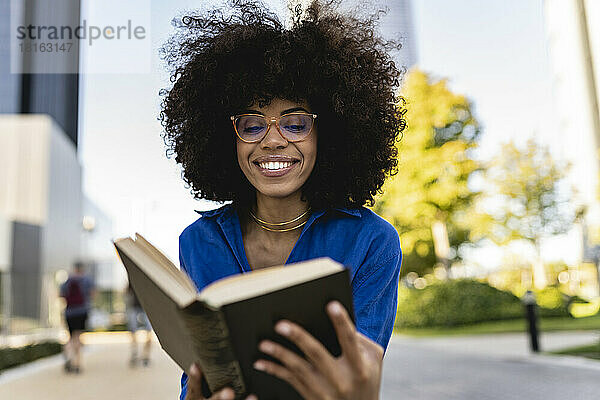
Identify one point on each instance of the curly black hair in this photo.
(222, 63)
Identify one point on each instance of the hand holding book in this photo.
(355, 374)
(194, 388)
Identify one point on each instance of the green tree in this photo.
(526, 200)
(435, 163)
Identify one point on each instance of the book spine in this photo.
(210, 338)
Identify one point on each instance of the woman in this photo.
(297, 127)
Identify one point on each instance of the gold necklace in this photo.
(263, 224)
(282, 230)
(279, 223)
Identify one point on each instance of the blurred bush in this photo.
(11, 357)
(552, 302)
(466, 301)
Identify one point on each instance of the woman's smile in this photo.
(275, 165)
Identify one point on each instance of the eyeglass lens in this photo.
(293, 126)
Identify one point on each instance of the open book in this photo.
(220, 327)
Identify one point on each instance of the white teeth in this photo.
(274, 165)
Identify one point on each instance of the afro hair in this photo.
(220, 63)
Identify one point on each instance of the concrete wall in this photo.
(41, 178)
(62, 230)
(5, 243)
(24, 159)
(61, 235)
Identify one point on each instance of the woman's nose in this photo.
(273, 138)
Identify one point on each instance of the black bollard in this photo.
(532, 323)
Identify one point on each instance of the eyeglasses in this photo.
(293, 127)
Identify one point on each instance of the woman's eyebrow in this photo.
(289, 110)
(251, 112)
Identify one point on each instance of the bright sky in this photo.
(494, 52)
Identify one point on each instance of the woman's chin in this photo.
(276, 192)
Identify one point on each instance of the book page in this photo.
(172, 287)
(163, 311)
(167, 264)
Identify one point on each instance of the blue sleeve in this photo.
(183, 386)
(184, 377)
(376, 297)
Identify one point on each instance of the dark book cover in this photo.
(252, 320)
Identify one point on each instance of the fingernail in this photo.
(226, 394)
(335, 308)
(194, 370)
(266, 347)
(283, 328)
(259, 366)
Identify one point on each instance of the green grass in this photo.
(589, 351)
(12, 357)
(506, 326)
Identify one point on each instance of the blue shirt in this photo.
(211, 248)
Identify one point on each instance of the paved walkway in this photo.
(485, 367)
(489, 367)
(506, 344)
(106, 375)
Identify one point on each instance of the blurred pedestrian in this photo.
(78, 291)
(136, 320)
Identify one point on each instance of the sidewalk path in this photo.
(484, 367)
(106, 375)
(488, 367)
(505, 344)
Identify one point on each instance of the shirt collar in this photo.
(229, 223)
(350, 211)
(212, 213)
